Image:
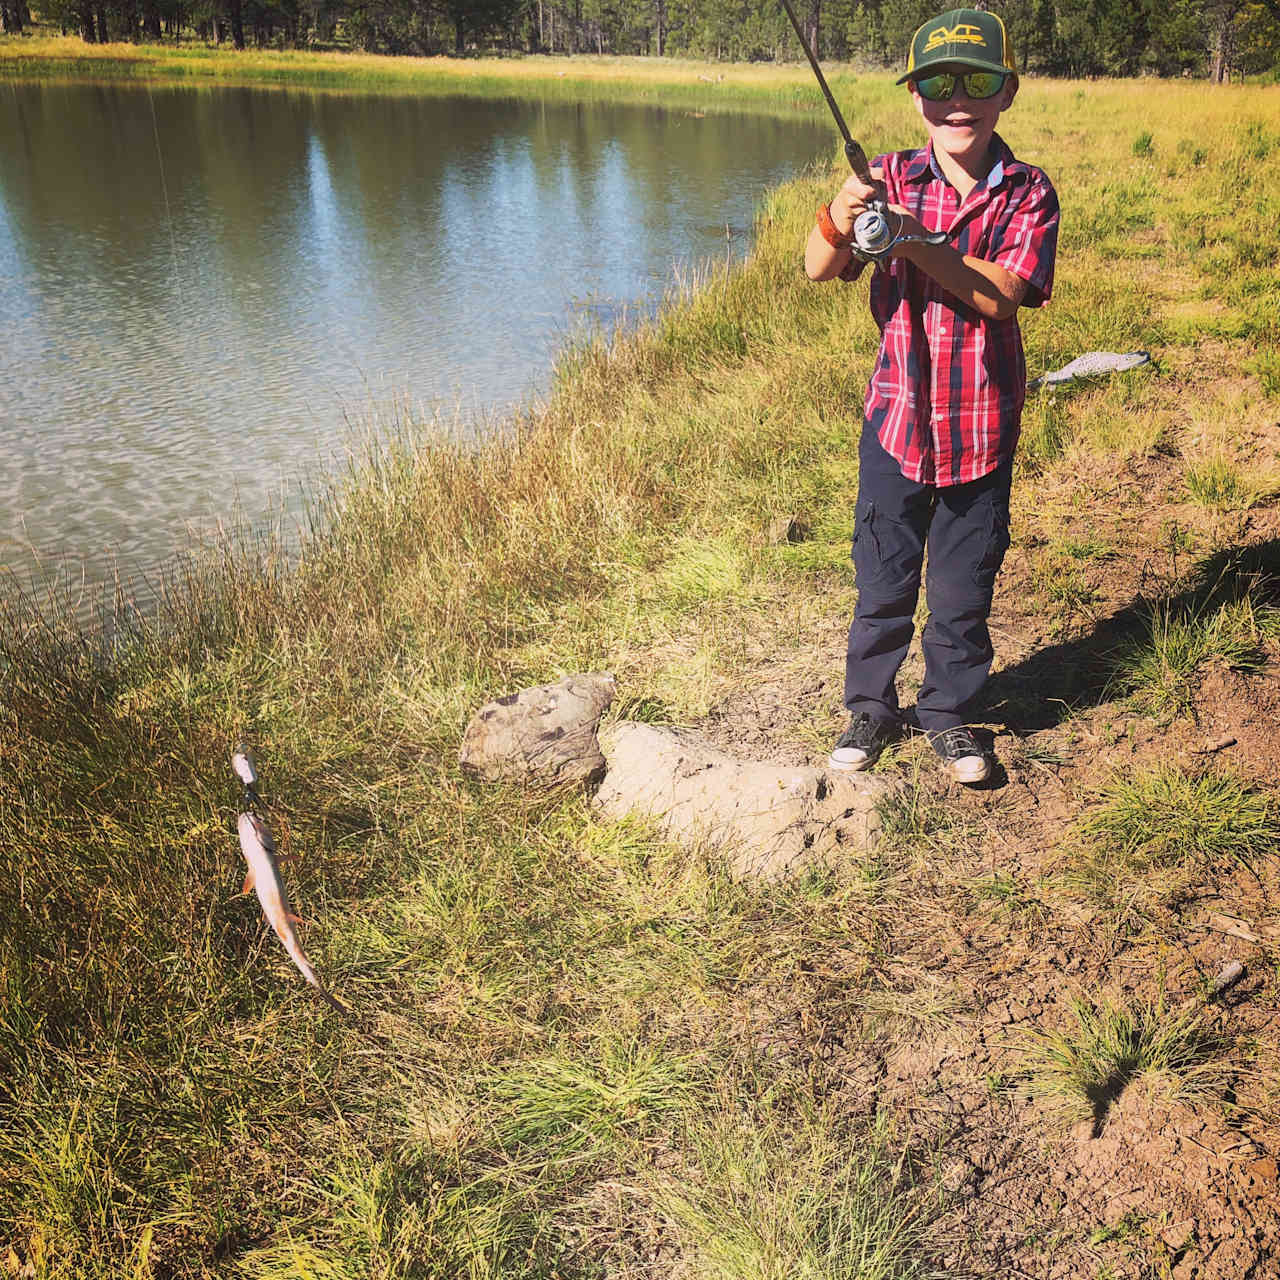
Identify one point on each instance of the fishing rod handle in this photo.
(858, 162)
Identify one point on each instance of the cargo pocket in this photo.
(997, 543)
(867, 561)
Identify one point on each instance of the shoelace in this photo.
(959, 742)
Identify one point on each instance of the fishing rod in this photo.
(877, 229)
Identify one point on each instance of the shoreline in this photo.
(677, 83)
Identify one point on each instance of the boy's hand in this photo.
(852, 198)
(911, 226)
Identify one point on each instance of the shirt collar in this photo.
(923, 164)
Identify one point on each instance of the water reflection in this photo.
(202, 285)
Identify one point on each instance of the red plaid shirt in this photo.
(945, 398)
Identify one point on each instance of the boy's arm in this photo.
(1019, 271)
(821, 261)
(985, 286)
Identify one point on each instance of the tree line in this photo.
(1214, 38)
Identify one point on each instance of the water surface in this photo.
(201, 290)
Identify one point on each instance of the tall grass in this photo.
(549, 1060)
(1156, 829)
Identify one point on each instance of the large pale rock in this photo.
(544, 735)
(767, 820)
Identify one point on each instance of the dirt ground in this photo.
(993, 946)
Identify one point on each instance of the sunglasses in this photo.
(977, 85)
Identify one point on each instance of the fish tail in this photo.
(333, 1000)
(313, 978)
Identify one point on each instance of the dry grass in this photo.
(562, 1060)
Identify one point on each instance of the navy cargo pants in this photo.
(966, 528)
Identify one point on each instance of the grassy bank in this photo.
(577, 1051)
(673, 82)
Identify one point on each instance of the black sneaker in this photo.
(962, 755)
(861, 743)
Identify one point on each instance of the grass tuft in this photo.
(1219, 483)
(1159, 669)
(1158, 828)
(1079, 1072)
(700, 571)
(837, 1210)
(566, 1106)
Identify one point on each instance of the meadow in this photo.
(577, 1051)
(678, 83)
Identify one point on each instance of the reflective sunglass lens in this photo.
(983, 84)
(937, 88)
(977, 84)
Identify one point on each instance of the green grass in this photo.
(1086, 548)
(556, 1053)
(827, 1212)
(1061, 583)
(1219, 482)
(1160, 667)
(1154, 830)
(1080, 1071)
(686, 84)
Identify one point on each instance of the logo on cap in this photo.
(961, 33)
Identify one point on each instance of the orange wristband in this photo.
(836, 238)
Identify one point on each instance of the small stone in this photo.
(958, 1178)
(1177, 1234)
(782, 529)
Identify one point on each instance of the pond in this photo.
(207, 291)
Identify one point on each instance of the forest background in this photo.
(1220, 39)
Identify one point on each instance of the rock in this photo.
(544, 735)
(958, 1179)
(784, 529)
(768, 820)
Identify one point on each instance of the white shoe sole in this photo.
(969, 769)
(849, 766)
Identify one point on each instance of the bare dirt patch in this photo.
(980, 937)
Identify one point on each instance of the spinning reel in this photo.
(877, 230)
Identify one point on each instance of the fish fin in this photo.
(248, 883)
(292, 919)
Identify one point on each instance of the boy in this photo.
(944, 403)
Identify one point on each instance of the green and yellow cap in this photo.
(968, 37)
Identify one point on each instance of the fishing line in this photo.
(164, 187)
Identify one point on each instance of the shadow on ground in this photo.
(1045, 688)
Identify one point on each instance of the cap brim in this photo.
(935, 64)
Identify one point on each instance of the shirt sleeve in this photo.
(1028, 242)
(852, 270)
